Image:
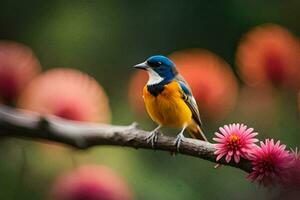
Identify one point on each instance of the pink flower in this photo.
(235, 140)
(67, 93)
(290, 189)
(293, 180)
(269, 55)
(18, 65)
(90, 182)
(270, 163)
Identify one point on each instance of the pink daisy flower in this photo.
(270, 163)
(234, 141)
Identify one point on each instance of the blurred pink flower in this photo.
(270, 163)
(269, 55)
(235, 140)
(90, 182)
(213, 83)
(293, 180)
(18, 65)
(289, 190)
(66, 93)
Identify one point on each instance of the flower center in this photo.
(234, 142)
(267, 165)
(68, 112)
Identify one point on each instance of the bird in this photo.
(169, 100)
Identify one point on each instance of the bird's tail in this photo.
(196, 132)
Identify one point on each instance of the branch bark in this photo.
(20, 123)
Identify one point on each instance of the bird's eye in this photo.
(154, 64)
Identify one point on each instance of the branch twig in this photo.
(81, 135)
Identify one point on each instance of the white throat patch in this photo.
(154, 77)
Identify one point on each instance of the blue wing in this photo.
(189, 99)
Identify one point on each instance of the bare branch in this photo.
(18, 123)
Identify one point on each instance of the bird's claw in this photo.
(178, 141)
(152, 138)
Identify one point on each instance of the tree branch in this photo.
(18, 123)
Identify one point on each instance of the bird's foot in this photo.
(152, 138)
(178, 140)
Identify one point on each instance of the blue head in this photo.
(160, 69)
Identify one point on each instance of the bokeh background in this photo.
(105, 39)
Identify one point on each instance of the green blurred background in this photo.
(104, 39)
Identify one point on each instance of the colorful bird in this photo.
(169, 100)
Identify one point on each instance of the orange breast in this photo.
(168, 108)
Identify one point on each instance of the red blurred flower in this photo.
(18, 65)
(234, 141)
(66, 93)
(270, 163)
(211, 79)
(269, 54)
(90, 182)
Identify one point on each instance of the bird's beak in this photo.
(143, 66)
